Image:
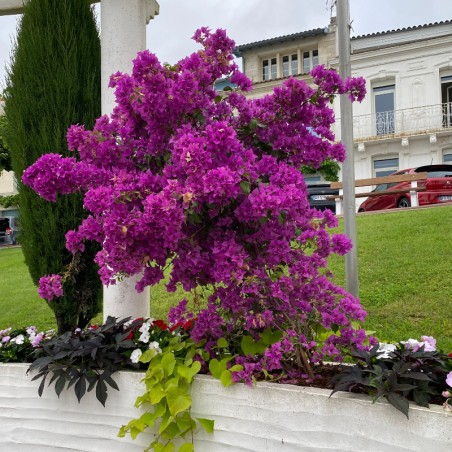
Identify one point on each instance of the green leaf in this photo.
(222, 342)
(215, 368)
(177, 402)
(207, 424)
(159, 447)
(168, 363)
(269, 337)
(226, 378)
(251, 347)
(187, 447)
(156, 394)
(166, 421)
(246, 187)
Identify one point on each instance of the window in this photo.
(446, 99)
(306, 62)
(447, 156)
(384, 109)
(290, 65)
(385, 167)
(315, 58)
(269, 69)
(310, 59)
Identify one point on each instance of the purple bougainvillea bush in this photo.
(208, 184)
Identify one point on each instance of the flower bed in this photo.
(265, 417)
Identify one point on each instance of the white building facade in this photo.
(406, 118)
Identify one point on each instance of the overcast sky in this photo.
(253, 20)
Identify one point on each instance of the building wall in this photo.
(414, 60)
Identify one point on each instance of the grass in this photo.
(404, 264)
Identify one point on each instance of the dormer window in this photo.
(293, 63)
(269, 69)
(310, 60)
(289, 65)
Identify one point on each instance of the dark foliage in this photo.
(87, 359)
(405, 375)
(53, 82)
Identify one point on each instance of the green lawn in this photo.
(404, 264)
(404, 258)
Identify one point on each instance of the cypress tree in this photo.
(54, 81)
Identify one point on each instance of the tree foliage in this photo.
(54, 81)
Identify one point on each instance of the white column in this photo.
(123, 34)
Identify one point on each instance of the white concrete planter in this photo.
(267, 417)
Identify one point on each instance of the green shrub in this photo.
(53, 82)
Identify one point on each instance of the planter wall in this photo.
(267, 417)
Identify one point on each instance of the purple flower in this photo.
(50, 287)
(37, 340)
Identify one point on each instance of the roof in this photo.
(398, 30)
(278, 40)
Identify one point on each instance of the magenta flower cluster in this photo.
(210, 183)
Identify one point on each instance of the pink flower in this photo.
(449, 379)
(50, 287)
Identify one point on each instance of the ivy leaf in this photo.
(269, 337)
(177, 402)
(215, 368)
(156, 394)
(226, 378)
(251, 347)
(207, 424)
(168, 363)
(187, 447)
(222, 342)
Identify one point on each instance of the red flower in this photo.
(129, 336)
(450, 355)
(161, 324)
(187, 325)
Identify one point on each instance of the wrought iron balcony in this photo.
(410, 121)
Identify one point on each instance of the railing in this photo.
(410, 121)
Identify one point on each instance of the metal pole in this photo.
(348, 168)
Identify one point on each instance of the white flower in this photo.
(144, 328)
(412, 344)
(127, 324)
(385, 349)
(32, 330)
(135, 356)
(155, 346)
(18, 339)
(144, 337)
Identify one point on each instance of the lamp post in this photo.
(348, 168)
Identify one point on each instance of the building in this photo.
(406, 118)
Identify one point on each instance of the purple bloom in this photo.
(50, 287)
(449, 379)
(212, 184)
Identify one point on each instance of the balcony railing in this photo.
(410, 121)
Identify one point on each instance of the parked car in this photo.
(13, 230)
(438, 189)
(317, 196)
(4, 225)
